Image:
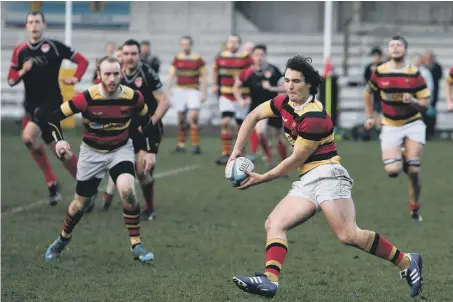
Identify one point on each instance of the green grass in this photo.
(206, 232)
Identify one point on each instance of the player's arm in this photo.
(52, 123)
(16, 71)
(448, 90)
(280, 88)
(171, 77)
(159, 94)
(263, 111)
(204, 82)
(150, 139)
(368, 96)
(76, 57)
(214, 75)
(422, 95)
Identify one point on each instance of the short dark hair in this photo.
(303, 65)
(108, 59)
(187, 37)
(145, 42)
(260, 46)
(132, 42)
(376, 51)
(401, 38)
(35, 13)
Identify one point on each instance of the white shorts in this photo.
(186, 99)
(227, 105)
(94, 164)
(326, 182)
(394, 136)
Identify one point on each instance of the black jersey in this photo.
(41, 81)
(252, 78)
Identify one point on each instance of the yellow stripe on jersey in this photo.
(66, 109)
(95, 94)
(144, 111)
(188, 86)
(229, 90)
(188, 73)
(107, 126)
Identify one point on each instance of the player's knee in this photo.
(127, 194)
(273, 225)
(28, 140)
(413, 165)
(78, 205)
(392, 167)
(348, 237)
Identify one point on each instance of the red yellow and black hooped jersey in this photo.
(229, 65)
(392, 85)
(188, 70)
(306, 125)
(106, 120)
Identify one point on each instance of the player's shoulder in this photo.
(128, 93)
(242, 54)
(382, 69)
(315, 119)
(20, 47)
(279, 101)
(147, 71)
(247, 72)
(412, 70)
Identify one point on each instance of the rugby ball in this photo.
(235, 171)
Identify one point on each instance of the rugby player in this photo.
(404, 96)
(324, 183)
(265, 81)
(139, 76)
(188, 68)
(37, 63)
(107, 110)
(226, 67)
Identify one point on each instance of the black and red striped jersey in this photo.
(188, 70)
(229, 65)
(392, 85)
(307, 125)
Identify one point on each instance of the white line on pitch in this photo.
(42, 202)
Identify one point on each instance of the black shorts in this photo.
(275, 122)
(39, 116)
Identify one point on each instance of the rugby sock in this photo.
(414, 189)
(131, 216)
(148, 194)
(380, 247)
(276, 250)
(71, 165)
(107, 198)
(254, 141)
(41, 159)
(181, 136)
(70, 221)
(194, 135)
(227, 141)
(281, 149)
(267, 150)
(414, 207)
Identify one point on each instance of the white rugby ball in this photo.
(235, 171)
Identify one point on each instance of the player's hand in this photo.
(254, 179)
(215, 89)
(266, 85)
(450, 106)
(369, 123)
(407, 98)
(149, 160)
(62, 148)
(70, 81)
(235, 154)
(26, 67)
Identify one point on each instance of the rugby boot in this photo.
(141, 254)
(54, 250)
(413, 274)
(258, 285)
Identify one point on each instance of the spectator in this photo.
(429, 116)
(429, 60)
(147, 57)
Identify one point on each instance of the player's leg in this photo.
(391, 141)
(90, 170)
(416, 138)
(227, 111)
(293, 210)
(261, 130)
(147, 184)
(122, 170)
(109, 193)
(276, 130)
(334, 197)
(180, 104)
(30, 137)
(194, 104)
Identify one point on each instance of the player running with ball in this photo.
(324, 183)
(107, 110)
